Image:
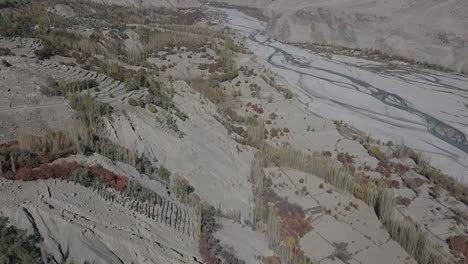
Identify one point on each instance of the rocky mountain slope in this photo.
(434, 32)
(157, 135)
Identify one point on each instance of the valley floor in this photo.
(424, 109)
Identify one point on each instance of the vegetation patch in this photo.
(388, 168)
(455, 188)
(211, 251)
(209, 89)
(375, 152)
(155, 41)
(346, 159)
(458, 245)
(89, 110)
(393, 184)
(16, 246)
(33, 151)
(414, 183)
(182, 189)
(403, 201)
(144, 166)
(285, 222)
(281, 89)
(56, 88)
(294, 224)
(410, 236)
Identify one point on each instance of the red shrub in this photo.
(295, 227)
(393, 184)
(23, 174)
(257, 109)
(46, 171)
(205, 252)
(293, 218)
(63, 171)
(400, 168)
(109, 178)
(458, 245)
(386, 168)
(344, 158)
(403, 200)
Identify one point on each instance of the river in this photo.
(424, 109)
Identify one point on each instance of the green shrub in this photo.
(209, 88)
(375, 151)
(143, 165)
(16, 246)
(55, 88)
(181, 188)
(132, 102)
(21, 155)
(45, 52)
(90, 111)
(160, 98)
(15, 23)
(10, 3)
(132, 85)
(152, 108)
(164, 173)
(456, 189)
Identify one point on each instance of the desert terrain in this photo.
(184, 132)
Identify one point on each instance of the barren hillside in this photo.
(434, 32)
(131, 133)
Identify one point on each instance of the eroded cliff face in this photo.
(434, 32)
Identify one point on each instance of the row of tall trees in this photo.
(412, 237)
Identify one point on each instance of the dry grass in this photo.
(375, 152)
(154, 41)
(407, 233)
(213, 93)
(281, 89)
(442, 180)
(74, 136)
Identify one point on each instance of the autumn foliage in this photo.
(109, 178)
(294, 222)
(30, 167)
(205, 253)
(64, 170)
(458, 245)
